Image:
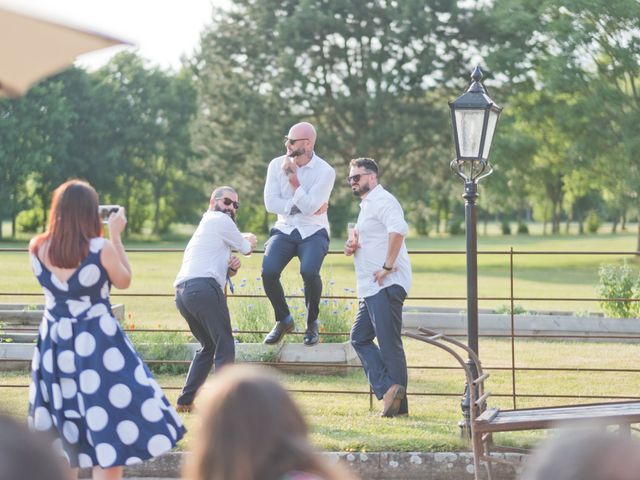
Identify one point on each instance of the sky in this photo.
(161, 30)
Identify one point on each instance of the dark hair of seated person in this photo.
(26, 455)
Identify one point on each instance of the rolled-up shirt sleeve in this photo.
(232, 237)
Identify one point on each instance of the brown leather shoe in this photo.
(186, 408)
(392, 399)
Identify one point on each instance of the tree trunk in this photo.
(555, 218)
(156, 215)
(623, 225)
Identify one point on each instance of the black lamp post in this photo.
(474, 117)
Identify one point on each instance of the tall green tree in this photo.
(587, 53)
(361, 71)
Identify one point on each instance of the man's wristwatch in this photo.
(384, 267)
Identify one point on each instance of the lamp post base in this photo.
(465, 403)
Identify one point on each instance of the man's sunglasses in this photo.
(228, 201)
(293, 141)
(356, 178)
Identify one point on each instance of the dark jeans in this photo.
(203, 305)
(381, 316)
(279, 251)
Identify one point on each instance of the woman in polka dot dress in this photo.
(89, 387)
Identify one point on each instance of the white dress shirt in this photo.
(316, 182)
(380, 215)
(208, 252)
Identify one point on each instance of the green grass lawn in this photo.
(435, 275)
(344, 421)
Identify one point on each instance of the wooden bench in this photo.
(486, 421)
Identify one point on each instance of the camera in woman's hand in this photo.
(105, 212)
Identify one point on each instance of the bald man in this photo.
(297, 189)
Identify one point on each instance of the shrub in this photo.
(619, 281)
(30, 221)
(592, 222)
(523, 228)
(455, 226)
(256, 314)
(506, 309)
(163, 346)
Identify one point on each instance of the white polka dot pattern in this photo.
(84, 461)
(59, 284)
(66, 361)
(44, 328)
(35, 265)
(35, 361)
(127, 432)
(97, 310)
(104, 291)
(42, 419)
(89, 275)
(106, 454)
(47, 361)
(65, 330)
(76, 307)
(32, 392)
(120, 396)
(89, 386)
(97, 418)
(108, 325)
(141, 375)
(96, 244)
(49, 300)
(69, 387)
(43, 391)
(56, 396)
(158, 444)
(113, 360)
(89, 381)
(151, 411)
(70, 432)
(85, 344)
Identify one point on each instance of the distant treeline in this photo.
(374, 77)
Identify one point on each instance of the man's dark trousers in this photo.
(279, 251)
(380, 316)
(203, 305)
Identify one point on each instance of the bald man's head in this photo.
(303, 130)
(300, 142)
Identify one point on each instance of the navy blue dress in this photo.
(88, 384)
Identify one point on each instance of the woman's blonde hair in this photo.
(250, 429)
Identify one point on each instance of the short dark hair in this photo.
(368, 163)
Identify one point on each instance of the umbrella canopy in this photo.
(32, 48)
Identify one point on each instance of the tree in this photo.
(362, 71)
(588, 53)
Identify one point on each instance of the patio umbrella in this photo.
(32, 48)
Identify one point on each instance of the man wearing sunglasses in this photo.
(383, 277)
(206, 266)
(297, 189)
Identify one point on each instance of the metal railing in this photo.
(512, 368)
